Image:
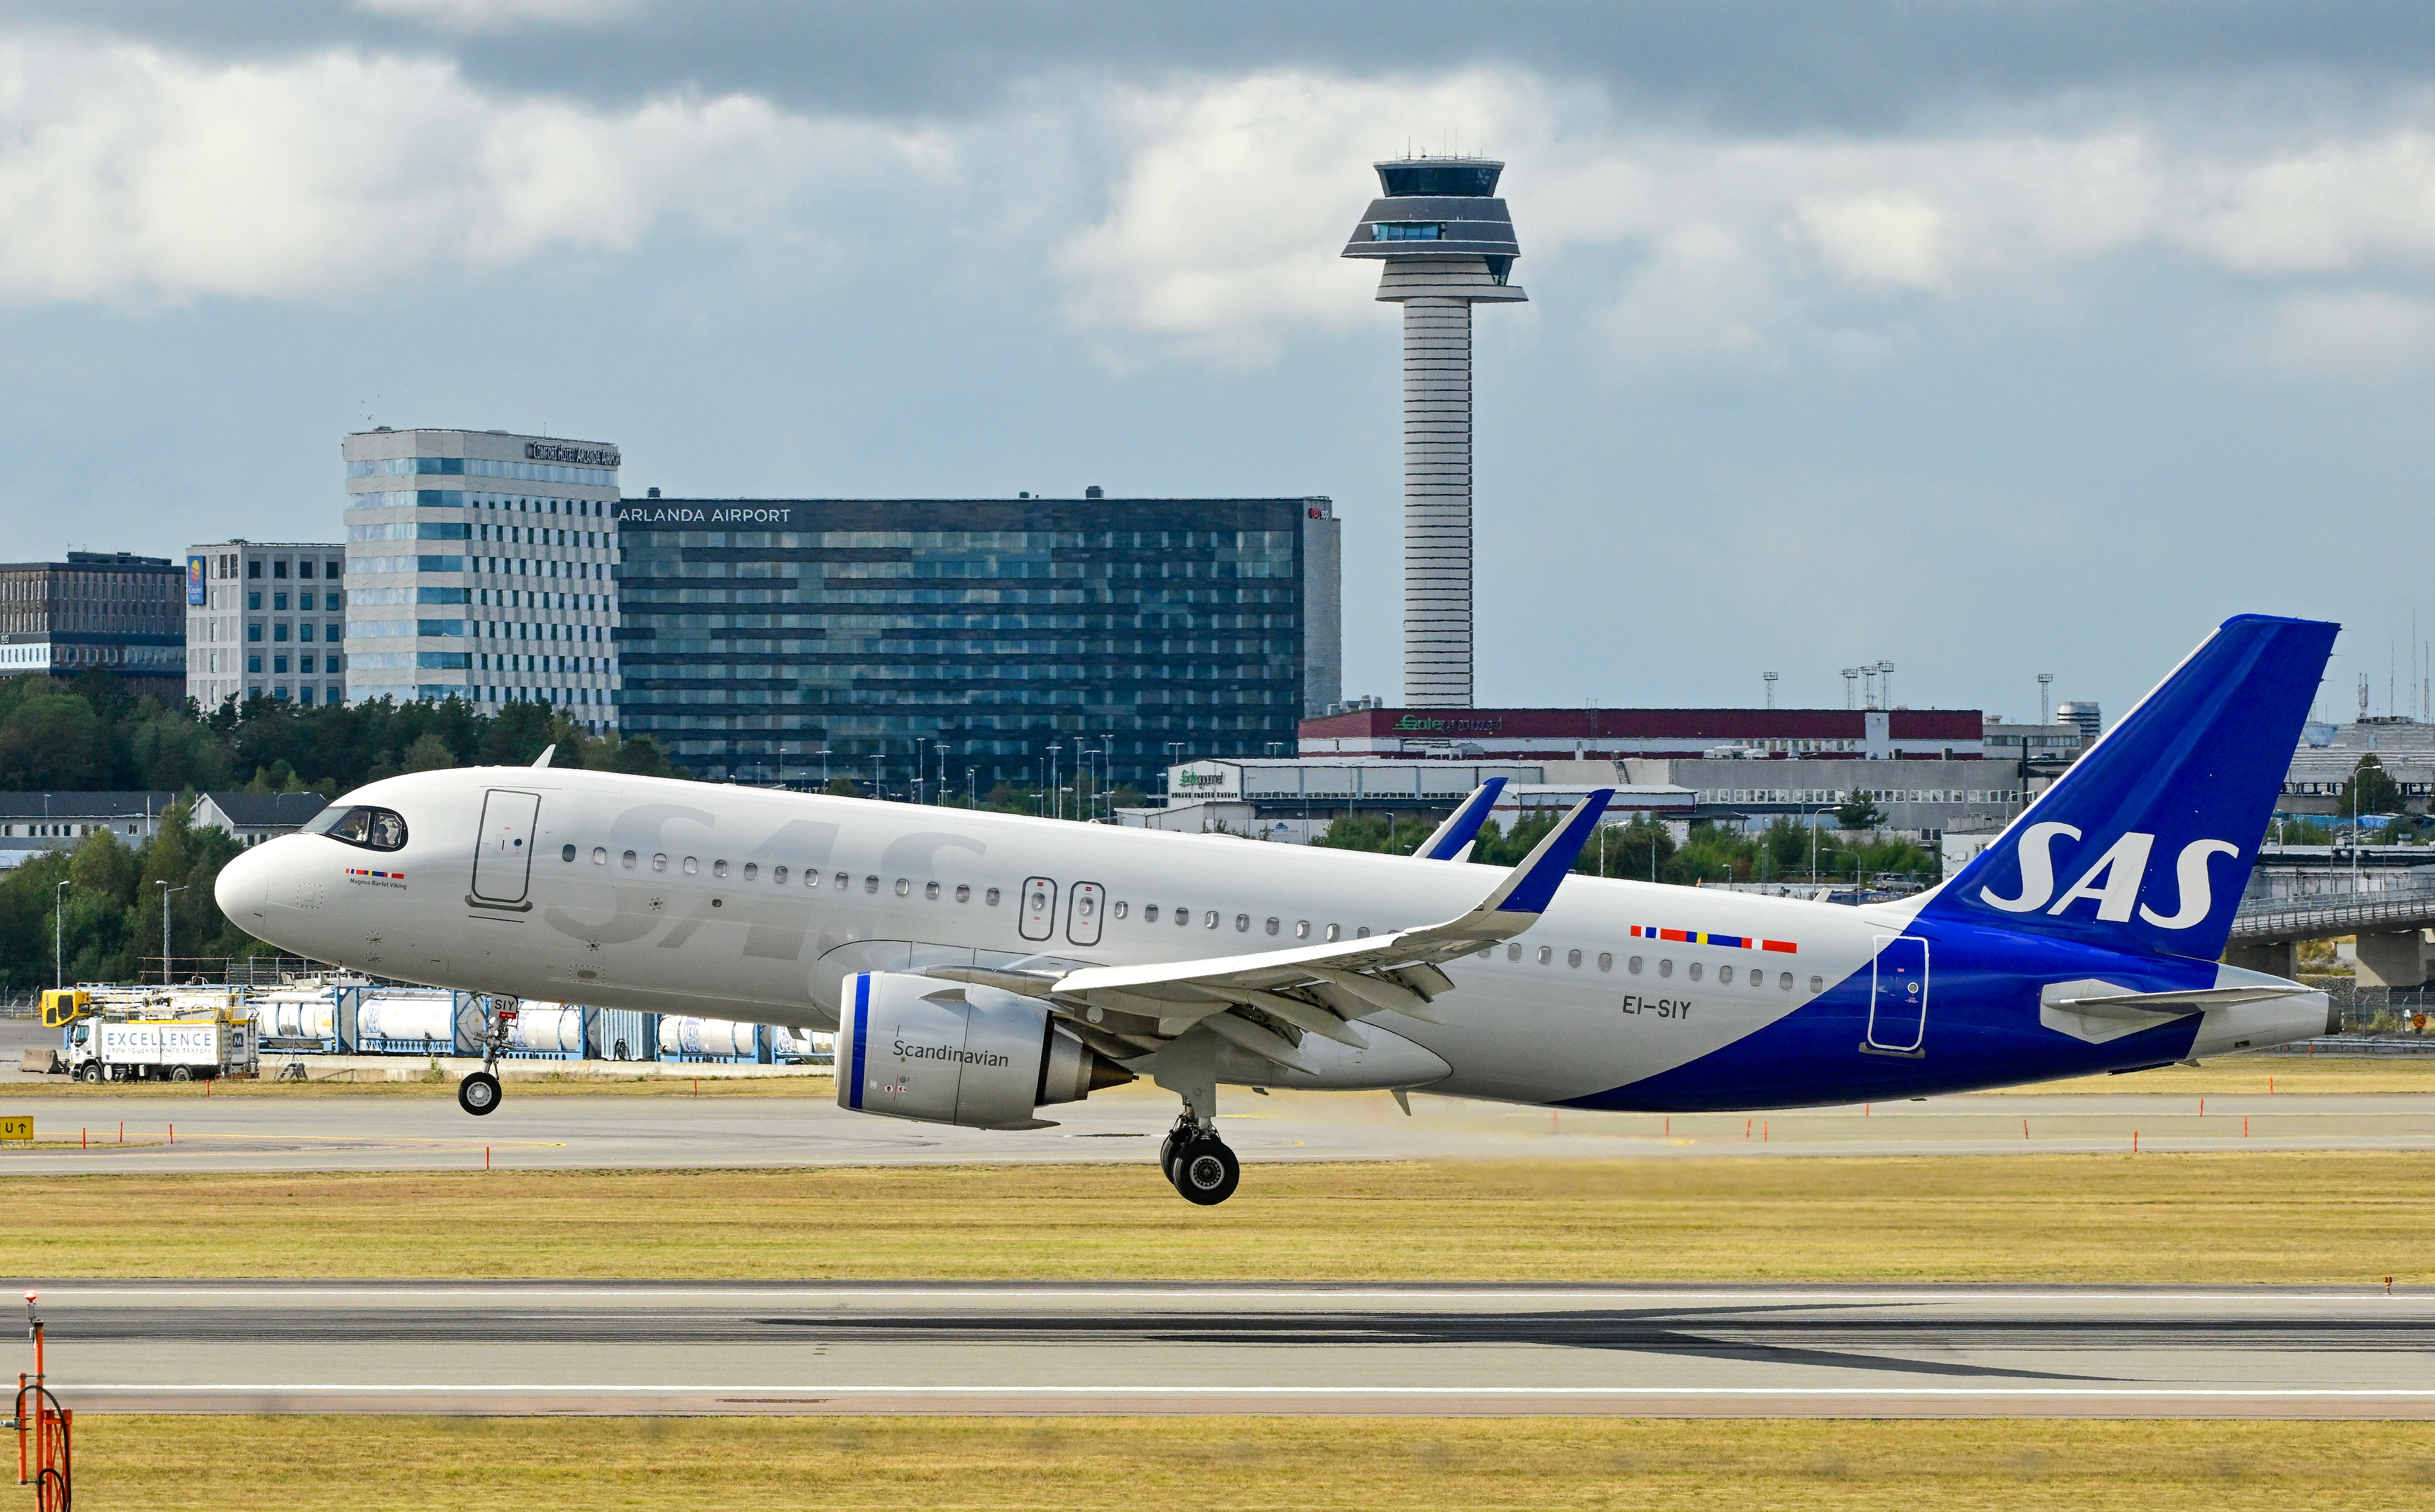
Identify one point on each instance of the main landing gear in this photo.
(1198, 1163)
(478, 1094)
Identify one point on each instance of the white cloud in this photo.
(1890, 239)
(502, 15)
(130, 173)
(2355, 335)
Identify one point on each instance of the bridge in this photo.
(2387, 923)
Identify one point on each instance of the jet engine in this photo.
(945, 1053)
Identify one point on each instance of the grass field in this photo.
(1123, 1463)
(2255, 1216)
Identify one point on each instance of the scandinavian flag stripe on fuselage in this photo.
(1731, 942)
(393, 876)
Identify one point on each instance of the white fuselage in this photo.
(678, 897)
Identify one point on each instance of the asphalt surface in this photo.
(1703, 1351)
(264, 1130)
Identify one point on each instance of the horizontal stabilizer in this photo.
(2075, 997)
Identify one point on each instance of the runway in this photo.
(1698, 1351)
(424, 1131)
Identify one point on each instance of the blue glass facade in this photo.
(758, 633)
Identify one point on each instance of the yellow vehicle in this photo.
(64, 1006)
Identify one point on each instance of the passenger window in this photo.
(1666, 967)
(1123, 908)
(659, 863)
(1632, 966)
(1725, 975)
(777, 875)
(870, 884)
(599, 855)
(1302, 929)
(1209, 920)
(1698, 967)
(691, 865)
(964, 892)
(1272, 926)
(1242, 923)
(1335, 932)
(1817, 984)
(1150, 913)
(1547, 954)
(1363, 933)
(930, 890)
(1182, 917)
(628, 861)
(1572, 957)
(990, 897)
(1606, 960)
(1512, 953)
(843, 881)
(903, 886)
(566, 854)
(1784, 981)
(718, 868)
(751, 870)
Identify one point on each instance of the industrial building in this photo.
(480, 565)
(1614, 735)
(973, 641)
(113, 611)
(266, 619)
(1445, 243)
(2329, 754)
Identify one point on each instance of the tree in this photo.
(2372, 790)
(1860, 812)
(429, 753)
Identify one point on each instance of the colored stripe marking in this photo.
(1693, 936)
(862, 1033)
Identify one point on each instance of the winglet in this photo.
(1530, 887)
(1463, 825)
(547, 753)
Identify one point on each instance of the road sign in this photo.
(16, 1130)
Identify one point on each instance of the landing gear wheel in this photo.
(1205, 1170)
(478, 1094)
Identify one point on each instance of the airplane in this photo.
(977, 968)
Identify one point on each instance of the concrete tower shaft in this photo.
(1448, 244)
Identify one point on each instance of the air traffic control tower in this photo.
(1448, 244)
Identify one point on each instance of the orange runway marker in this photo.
(1746, 1127)
(84, 1139)
(2202, 1108)
(2244, 1126)
(485, 1156)
(1762, 1133)
(2134, 1141)
(173, 1133)
(2025, 1128)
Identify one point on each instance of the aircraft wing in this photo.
(1452, 839)
(1265, 1002)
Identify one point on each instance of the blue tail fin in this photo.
(2147, 841)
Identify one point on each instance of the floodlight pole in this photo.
(166, 892)
(58, 934)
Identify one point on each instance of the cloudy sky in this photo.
(1988, 338)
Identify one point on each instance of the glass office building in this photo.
(480, 567)
(110, 610)
(266, 619)
(770, 641)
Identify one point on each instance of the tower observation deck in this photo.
(1447, 242)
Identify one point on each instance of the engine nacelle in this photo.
(941, 1052)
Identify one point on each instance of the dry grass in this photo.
(1121, 1465)
(2252, 1217)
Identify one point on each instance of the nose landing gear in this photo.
(478, 1094)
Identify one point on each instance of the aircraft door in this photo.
(1082, 909)
(1039, 909)
(503, 859)
(1898, 999)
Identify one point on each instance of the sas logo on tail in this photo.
(2114, 882)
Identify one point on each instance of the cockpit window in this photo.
(372, 829)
